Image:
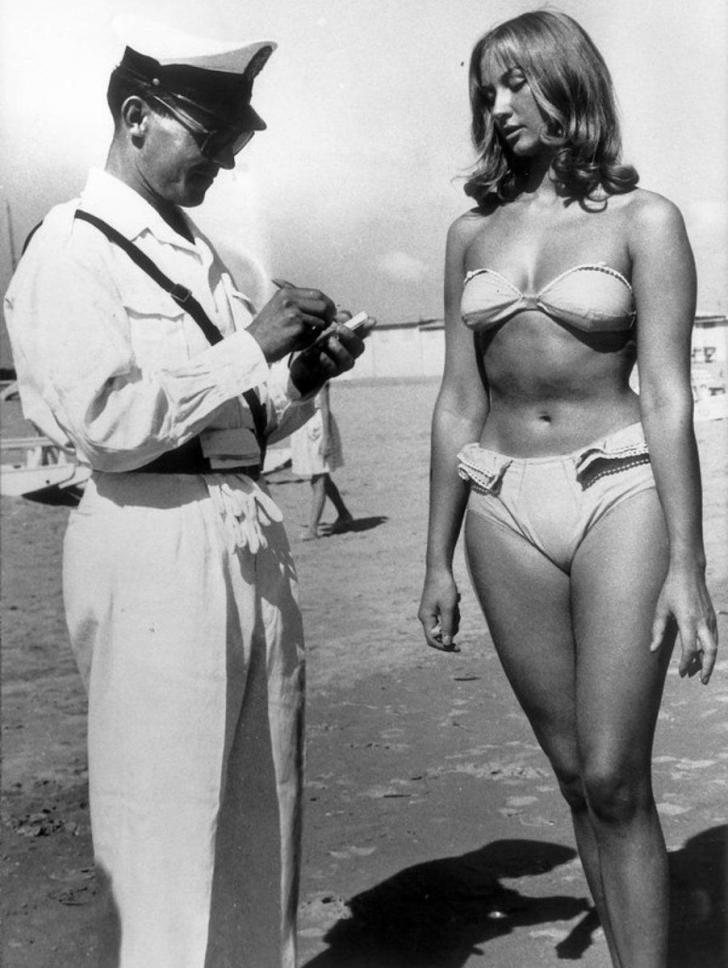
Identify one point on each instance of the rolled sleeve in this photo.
(291, 409)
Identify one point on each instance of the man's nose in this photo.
(225, 158)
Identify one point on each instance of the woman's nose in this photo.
(502, 104)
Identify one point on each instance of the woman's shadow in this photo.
(434, 915)
(699, 901)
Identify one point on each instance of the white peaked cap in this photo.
(169, 45)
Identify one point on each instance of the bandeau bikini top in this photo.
(593, 297)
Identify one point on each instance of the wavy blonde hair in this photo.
(572, 87)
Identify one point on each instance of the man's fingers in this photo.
(335, 334)
(309, 301)
(341, 354)
(314, 324)
(336, 351)
(353, 342)
(313, 305)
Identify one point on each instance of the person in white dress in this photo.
(316, 452)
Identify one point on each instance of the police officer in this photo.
(134, 349)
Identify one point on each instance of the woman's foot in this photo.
(308, 535)
(342, 522)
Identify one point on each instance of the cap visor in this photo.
(250, 119)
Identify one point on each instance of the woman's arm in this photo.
(458, 419)
(664, 283)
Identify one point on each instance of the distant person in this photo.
(133, 347)
(583, 526)
(316, 452)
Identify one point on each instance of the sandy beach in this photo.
(434, 834)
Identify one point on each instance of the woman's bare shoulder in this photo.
(649, 212)
(467, 226)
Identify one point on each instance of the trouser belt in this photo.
(189, 459)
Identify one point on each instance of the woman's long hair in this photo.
(571, 85)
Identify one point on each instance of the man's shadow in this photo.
(434, 915)
(699, 901)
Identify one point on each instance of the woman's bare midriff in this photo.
(553, 391)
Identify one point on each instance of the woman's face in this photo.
(517, 117)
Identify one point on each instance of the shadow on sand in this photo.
(356, 524)
(699, 883)
(434, 915)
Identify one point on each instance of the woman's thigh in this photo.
(616, 578)
(526, 602)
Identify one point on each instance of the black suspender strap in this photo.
(29, 236)
(182, 296)
(186, 301)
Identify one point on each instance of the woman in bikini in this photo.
(583, 525)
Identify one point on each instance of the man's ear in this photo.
(135, 116)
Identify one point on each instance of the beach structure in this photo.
(417, 349)
(36, 468)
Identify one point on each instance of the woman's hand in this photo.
(684, 598)
(439, 611)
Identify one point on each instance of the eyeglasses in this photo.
(212, 142)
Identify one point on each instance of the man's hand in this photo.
(291, 320)
(332, 355)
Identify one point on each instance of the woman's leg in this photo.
(526, 601)
(616, 577)
(333, 494)
(318, 497)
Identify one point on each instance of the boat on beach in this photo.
(36, 468)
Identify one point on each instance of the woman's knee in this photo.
(572, 788)
(615, 795)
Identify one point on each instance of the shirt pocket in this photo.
(157, 330)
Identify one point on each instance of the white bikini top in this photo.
(592, 297)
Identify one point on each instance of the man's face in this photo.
(172, 166)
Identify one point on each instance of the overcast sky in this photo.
(356, 180)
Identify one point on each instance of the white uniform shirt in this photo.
(110, 366)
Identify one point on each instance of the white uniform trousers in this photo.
(190, 643)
